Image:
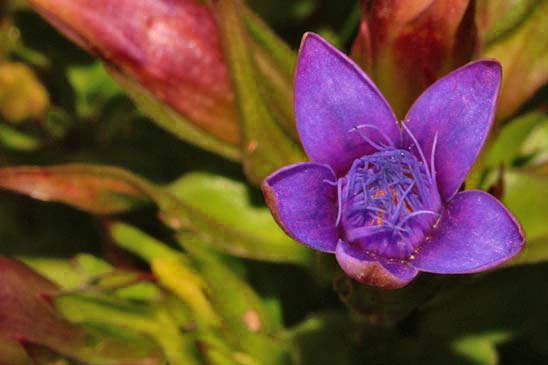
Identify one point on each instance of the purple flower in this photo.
(382, 195)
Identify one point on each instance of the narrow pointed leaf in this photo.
(172, 269)
(275, 61)
(87, 273)
(498, 18)
(223, 214)
(239, 307)
(325, 338)
(523, 54)
(172, 121)
(508, 145)
(27, 314)
(95, 189)
(132, 332)
(13, 353)
(251, 327)
(266, 146)
(526, 196)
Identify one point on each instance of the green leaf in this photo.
(141, 244)
(526, 195)
(92, 188)
(275, 62)
(173, 122)
(536, 145)
(225, 307)
(18, 141)
(223, 214)
(266, 146)
(267, 39)
(118, 345)
(179, 278)
(251, 329)
(508, 145)
(334, 338)
(172, 269)
(468, 350)
(134, 319)
(477, 350)
(87, 273)
(499, 18)
(30, 313)
(59, 270)
(93, 88)
(524, 57)
(324, 339)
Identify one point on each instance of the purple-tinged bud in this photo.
(407, 45)
(171, 48)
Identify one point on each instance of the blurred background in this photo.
(134, 135)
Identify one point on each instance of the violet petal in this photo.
(373, 270)
(475, 232)
(459, 109)
(303, 200)
(333, 96)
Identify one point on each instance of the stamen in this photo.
(368, 140)
(388, 140)
(363, 232)
(418, 212)
(339, 193)
(381, 194)
(350, 178)
(402, 200)
(432, 156)
(396, 227)
(375, 209)
(418, 148)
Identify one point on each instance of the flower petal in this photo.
(475, 233)
(371, 271)
(303, 200)
(460, 109)
(333, 96)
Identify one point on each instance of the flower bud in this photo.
(171, 48)
(406, 45)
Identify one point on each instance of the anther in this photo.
(380, 195)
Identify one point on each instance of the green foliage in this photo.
(136, 237)
(228, 215)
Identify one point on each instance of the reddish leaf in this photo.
(11, 352)
(27, 314)
(95, 189)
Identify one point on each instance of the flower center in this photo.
(388, 202)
